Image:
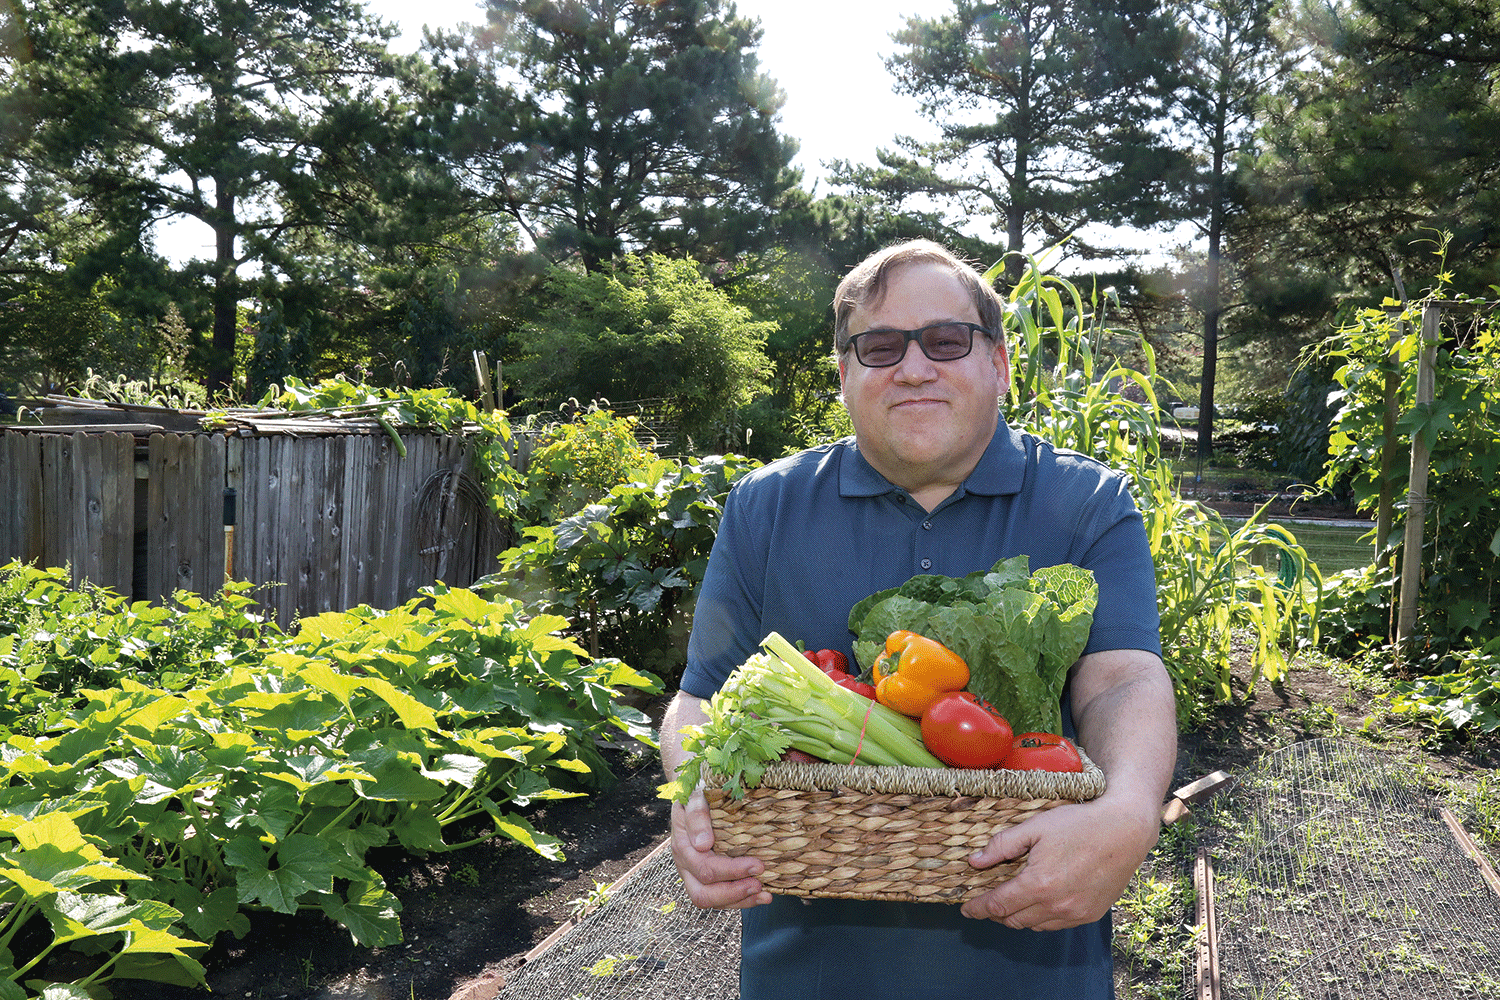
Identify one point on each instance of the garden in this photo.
(392, 802)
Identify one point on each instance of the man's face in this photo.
(924, 424)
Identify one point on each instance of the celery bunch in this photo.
(777, 699)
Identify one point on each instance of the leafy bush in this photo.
(573, 464)
(1466, 697)
(1302, 432)
(137, 821)
(625, 571)
(62, 639)
(1461, 536)
(1357, 609)
(655, 328)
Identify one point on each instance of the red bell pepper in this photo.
(835, 664)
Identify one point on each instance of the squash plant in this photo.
(137, 821)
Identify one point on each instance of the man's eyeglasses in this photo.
(940, 342)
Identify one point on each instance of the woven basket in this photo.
(898, 833)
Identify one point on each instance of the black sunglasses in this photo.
(940, 342)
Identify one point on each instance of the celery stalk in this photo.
(899, 737)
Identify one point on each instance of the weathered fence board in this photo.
(325, 521)
(184, 513)
(62, 502)
(21, 489)
(70, 501)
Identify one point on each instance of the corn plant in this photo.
(1210, 585)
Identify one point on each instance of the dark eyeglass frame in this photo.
(911, 335)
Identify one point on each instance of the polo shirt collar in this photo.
(1001, 469)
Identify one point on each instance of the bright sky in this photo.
(827, 55)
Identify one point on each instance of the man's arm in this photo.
(712, 881)
(1082, 856)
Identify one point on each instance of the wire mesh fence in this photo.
(1337, 877)
(648, 942)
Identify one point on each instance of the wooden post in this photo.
(487, 395)
(231, 518)
(1416, 494)
(1383, 510)
(1207, 979)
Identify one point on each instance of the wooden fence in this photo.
(327, 521)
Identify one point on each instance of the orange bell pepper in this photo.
(914, 671)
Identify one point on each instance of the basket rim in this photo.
(948, 782)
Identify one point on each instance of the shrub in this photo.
(574, 464)
(655, 328)
(626, 570)
(1461, 535)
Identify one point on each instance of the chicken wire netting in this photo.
(1335, 877)
(647, 942)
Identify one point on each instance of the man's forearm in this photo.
(685, 710)
(1126, 718)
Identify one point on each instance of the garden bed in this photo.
(479, 912)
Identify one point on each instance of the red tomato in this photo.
(963, 731)
(1043, 752)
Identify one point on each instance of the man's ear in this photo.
(1001, 358)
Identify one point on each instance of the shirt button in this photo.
(927, 525)
(927, 564)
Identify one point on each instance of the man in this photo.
(935, 482)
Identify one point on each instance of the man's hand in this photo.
(713, 881)
(1082, 857)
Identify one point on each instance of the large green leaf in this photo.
(519, 829)
(369, 911)
(207, 915)
(279, 876)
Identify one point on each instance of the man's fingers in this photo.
(1007, 845)
(712, 880)
(697, 822)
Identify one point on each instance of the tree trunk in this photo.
(1212, 297)
(225, 295)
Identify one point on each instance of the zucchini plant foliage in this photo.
(144, 810)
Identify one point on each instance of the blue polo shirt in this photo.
(801, 542)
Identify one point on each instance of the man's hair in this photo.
(866, 285)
